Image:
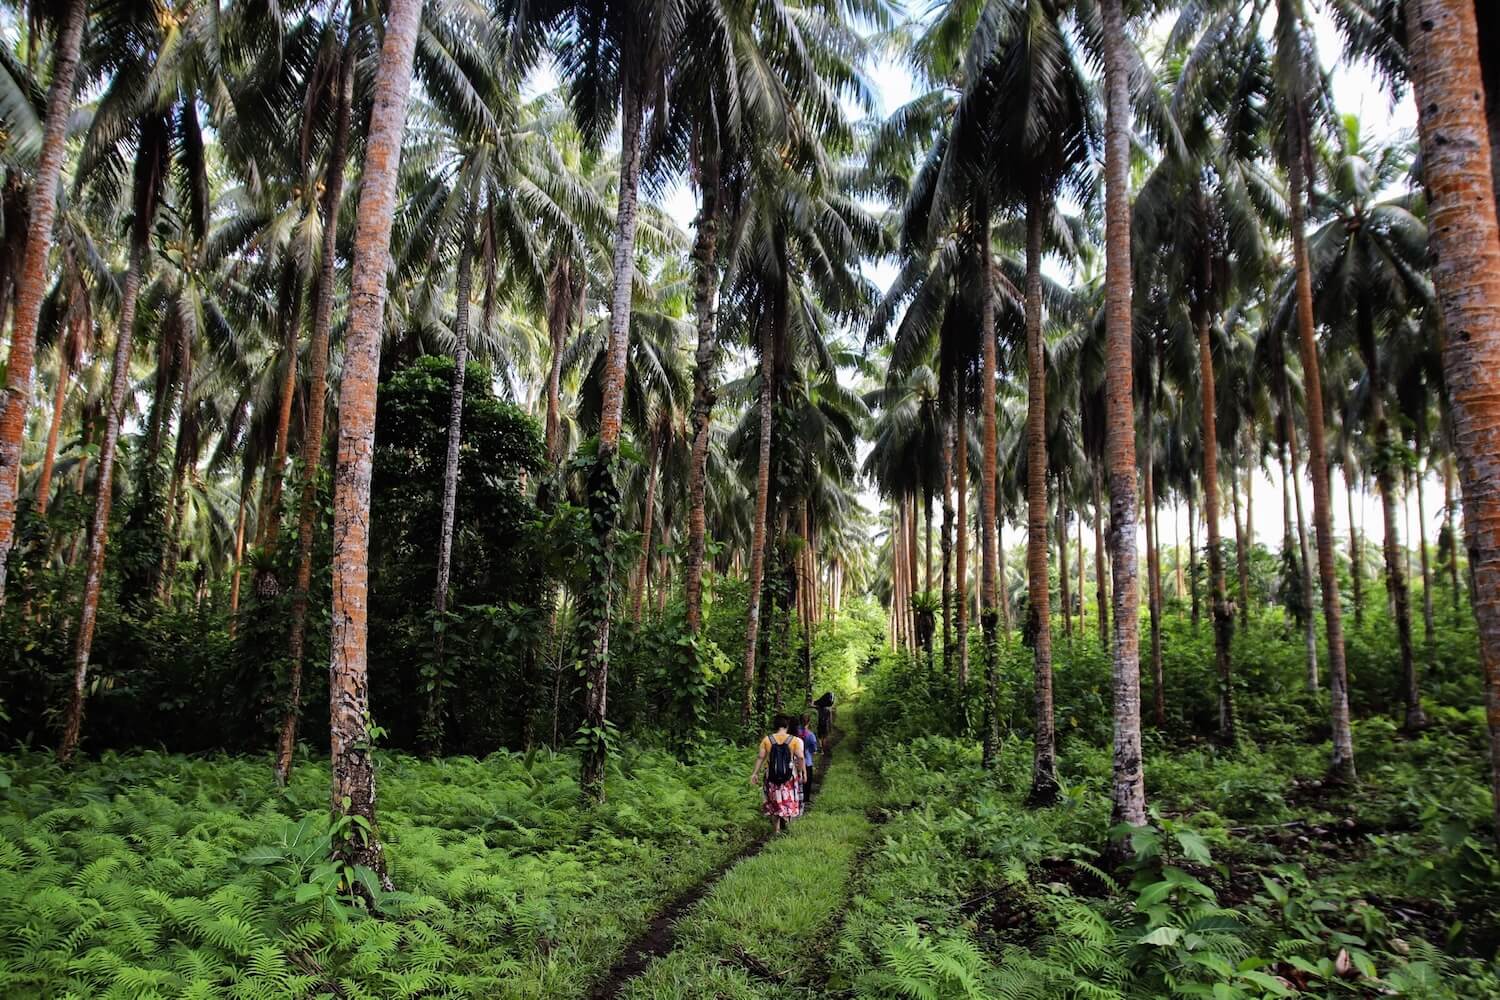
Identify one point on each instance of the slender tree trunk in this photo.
(353, 769)
(1458, 168)
(1181, 576)
(1356, 569)
(603, 490)
(99, 529)
(1428, 630)
(762, 498)
(1044, 787)
(1064, 594)
(644, 567)
(1128, 786)
(312, 433)
(1102, 595)
(1223, 616)
(432, 735)
(246, 484)
(1153, 570)
(560, 295)
(1309, 623)
(31, 286)
(54, 431)
(961, 481)
(949, 402)
(270, 526)
(1241, 550)
(1082, 593)
(1342, 766)
(1192, 578)
(705, 310)
(1450, 505)
(1002, 578)
(988, 463)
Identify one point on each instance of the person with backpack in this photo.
(809, 748)
(824, 705)
(786, 765)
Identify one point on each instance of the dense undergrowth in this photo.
(1258, 879)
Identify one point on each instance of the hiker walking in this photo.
(824, 705)
(783, 755)
(809, 747)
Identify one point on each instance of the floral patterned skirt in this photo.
(781, 800)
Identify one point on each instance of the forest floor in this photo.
(757, 928)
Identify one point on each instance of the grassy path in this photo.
(760, 930)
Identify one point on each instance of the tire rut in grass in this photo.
(660, 935)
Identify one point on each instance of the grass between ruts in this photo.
(761, 931)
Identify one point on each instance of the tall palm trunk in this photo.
(1356, 570)
(31, 286)
(287, 309)
(988, 463)
(1309, 621)
(99, 527)
(1450, 505)
(1192, 579)
(1153, 569)
(432, 725)
(762, 500)
(1428, 628)
(353, 770)
(1241, 549)
(1223, 616)
(1342, 765)
(643, 569)
(54, 431)
(1458, 170)
(560, 295)
(705, 310)
(947, 542)
(312, 433)
(1128, 786)
(1044, 787)
(961, 600)
(247, 483)
(1064, 594)
(1101, 586)
(603, 490)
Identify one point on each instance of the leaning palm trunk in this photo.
(1457, 168)
(99, 529)
(1044, 787)
(432, 735)
(288, 311)
(1128, 795)
(1342, 765)
(1219, 600)
(989, 444)
(762, 501)
(604, 494)
(31, 286)
(54, 431)
(353, 769)
(312, 432)
(705, 310)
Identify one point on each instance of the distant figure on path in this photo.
(783, 755)
(824, 705)
(809, 747)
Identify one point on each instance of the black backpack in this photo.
(780, 771)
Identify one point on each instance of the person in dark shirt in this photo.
(824, 705)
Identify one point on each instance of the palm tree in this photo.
(353, 769)
(1367, 264)
(1457, 169)
(31, 284)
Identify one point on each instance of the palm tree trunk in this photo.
(961, 601)
(289, 309)
(1044, 787)
(246, 484)
(353, 770)
(1192, 576)
(1101, 596)
(1450, 505)
(1181, 577)
(1002, 578)
(705, 310)
(54, 431)
(1342, 766)
(1458, 169)
(762, 499)
(649, 515)
(1064, 594)
(603, 490)
(1223, 616)
(559, 311)
(432, 724)
(947, 541)
(1356, 570)
(1309, 622)
(1241, 550)
(312, 433)
(1428, 632)
(988, 463)
(1128, 791)
(99, 528)
(31, 286)
(1153, 566)
(1082, 594)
